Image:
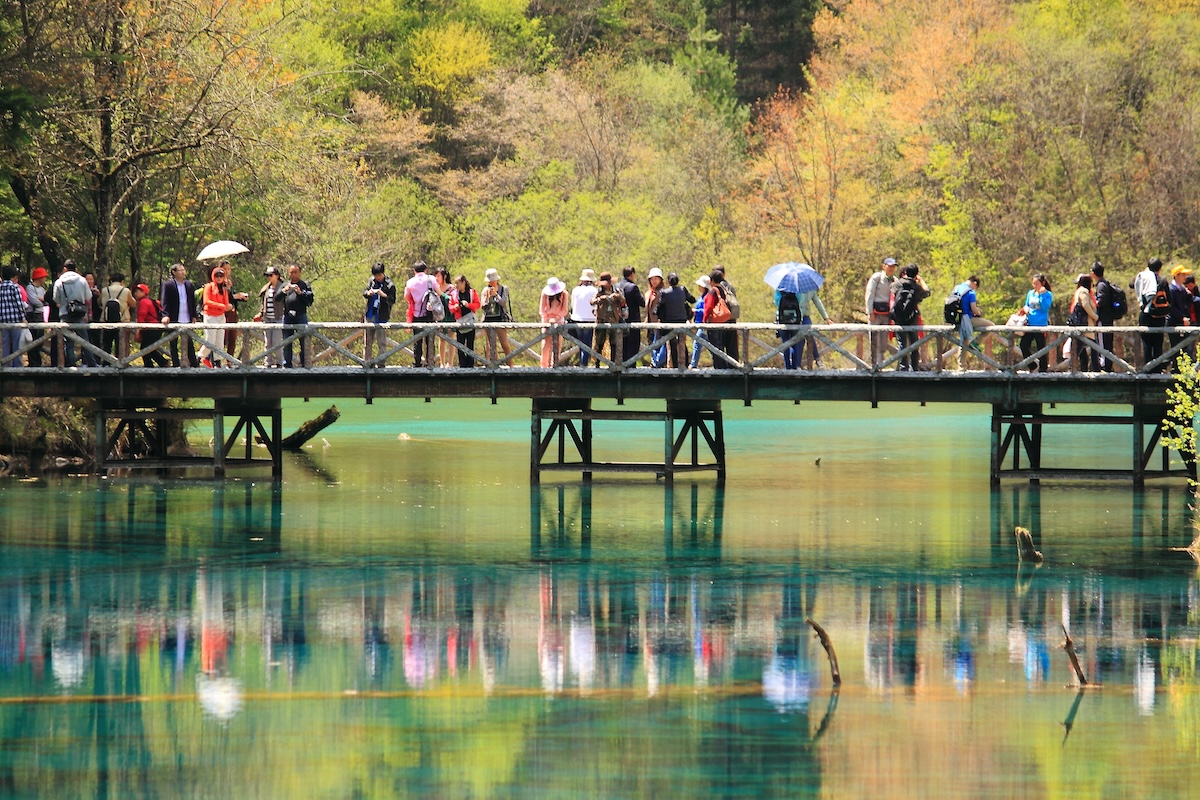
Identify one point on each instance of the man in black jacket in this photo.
(1180, 314)
(1104, 310)
(178, 300)
(634, 303)
(380, 295)
(297, 298)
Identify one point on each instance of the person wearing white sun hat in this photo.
(553, 310)
(496, 308)
(583, 313)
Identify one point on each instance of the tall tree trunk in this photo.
(26, 195)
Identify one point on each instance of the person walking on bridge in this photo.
(583, 313)
(878, 302)
(1180, 313)
(907, 294)
(634, 303)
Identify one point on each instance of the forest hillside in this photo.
(539, 138)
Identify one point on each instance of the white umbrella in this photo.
(222, 249)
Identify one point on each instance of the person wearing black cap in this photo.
(1146, 285)
(270, 311)
(878, 300)
(380, 295)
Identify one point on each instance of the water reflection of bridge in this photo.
(156, 595)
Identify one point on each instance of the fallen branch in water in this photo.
(1025, 548)
(1069, 646)
(828, 645)
(308, 430)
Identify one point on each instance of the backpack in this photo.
(735, 308)
(112, 308)
(953, 309)
(1159, 304)
(432, 304)
(904, 309)
(789, 309)
(1118, 306)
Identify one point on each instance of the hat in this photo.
(654, 272)
(143, 287)
(606, 276)
(554, 286)
(491, 275)
(271, 271)
(1179, 269)
(218, 273)
(889, 262)
(587, 275)
(704, 281)
(39, 272)
(378, 268)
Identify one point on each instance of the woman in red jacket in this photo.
(464, 303)
(216, 303)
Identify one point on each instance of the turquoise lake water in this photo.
(404, 616)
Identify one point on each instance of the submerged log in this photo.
(310, 429)
(1025, 548)
(828, 645)
(1069, 646)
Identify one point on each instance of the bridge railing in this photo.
(744, 347)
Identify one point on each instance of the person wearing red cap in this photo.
(38, 312)
(149, 313)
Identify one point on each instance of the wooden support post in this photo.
(535, 445)
(218, 443)
(1139, 447)
(669, 450)
(101, 436)
(995, 445)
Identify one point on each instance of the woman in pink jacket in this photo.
(553, 310)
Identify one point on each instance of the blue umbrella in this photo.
(793, 277)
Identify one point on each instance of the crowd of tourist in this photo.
(590, 313)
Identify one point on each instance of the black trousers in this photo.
(632, 343)
(191, 352)
(1035, 340)
(1152, 343)
(423, 349)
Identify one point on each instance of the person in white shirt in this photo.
(584, 313)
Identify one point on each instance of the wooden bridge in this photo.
(743, 362)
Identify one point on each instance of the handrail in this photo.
(838, 347)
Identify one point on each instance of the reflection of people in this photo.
(787, 677)
(550, 638)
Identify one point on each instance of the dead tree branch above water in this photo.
(828, 645)
(1069, 646)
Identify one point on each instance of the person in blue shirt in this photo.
(1037, 315)
(972, 319)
